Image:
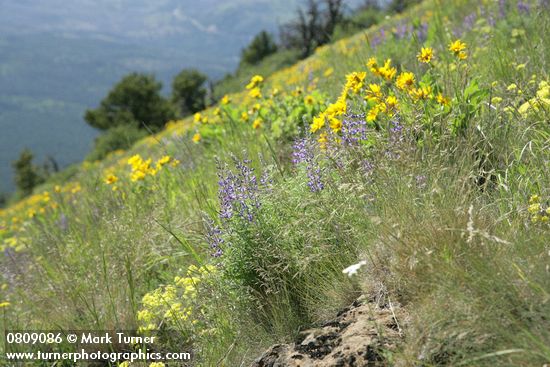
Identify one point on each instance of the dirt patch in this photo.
(360, 335)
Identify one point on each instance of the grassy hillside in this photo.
(419, 147)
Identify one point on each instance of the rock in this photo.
(356, 337)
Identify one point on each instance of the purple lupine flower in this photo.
(303, 152)
(248, 193)
(491, 20)
(400, 31)
(214, 238)
(502, 8)
(226, 190)
(300, 150)
(315, 182)
(238, 192)
(469, 21)
(366, 167)
(396, 131)
(523, 7)
(375, 42)
(62, 222)
(382, 35)
(422, 32)
(354, 130)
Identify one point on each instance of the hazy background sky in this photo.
(59, 57)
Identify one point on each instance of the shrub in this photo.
(119, 137)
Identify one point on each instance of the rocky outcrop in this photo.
(361, 335)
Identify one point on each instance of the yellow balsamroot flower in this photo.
(135, 161)
(421, 93)
(457, 48)
(309, 100)
(318, 123)
(354, 81)
(4, 304)
(405, 80)
(157, 364)
(335, 124)
(110, 179)
(442, 100)
(338, 108)
(328, 72)
(256, 107)
(425, 55)
(257, 123)
(225, 100)
(255, 93)
(137, 176)
(164, 160)
(57, 189)
(244, 116)
(387, 71)
(392, 104)
(197, 117)
(255, 81)
(77, 188)
(372, 64)
(374, 92)
(297, 92)
(46, 197)
(196, 138)
(373, 113)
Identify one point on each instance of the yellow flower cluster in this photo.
(354, 81)
(541, 101)
(538, 212)
(458, 49)
(387, 71)
(142, 168)
(173, 304)
(331, 115)
(200, 118)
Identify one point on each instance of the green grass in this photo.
(440, 211)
